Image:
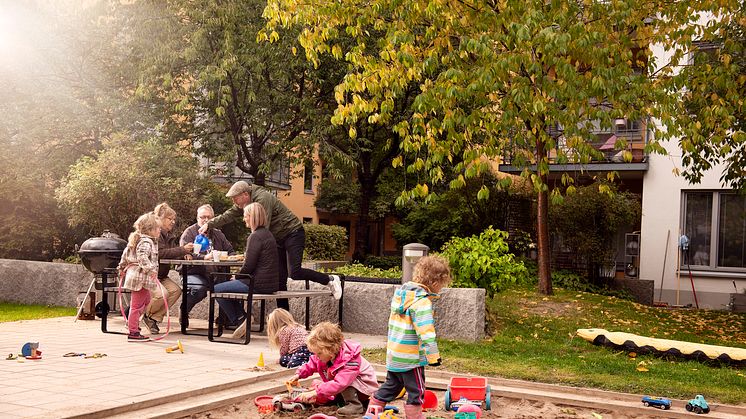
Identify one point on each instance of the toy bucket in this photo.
(431, 401)
(264, 404)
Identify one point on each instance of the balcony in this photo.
(609, 159)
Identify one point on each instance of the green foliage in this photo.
(239, 101)
(483, 261)
(338, 196)
(109, 191)
(383, 262)
(712, 119)
(325, 242)
(453, 213)
(31, 224)
(357, 269)
(588, 221)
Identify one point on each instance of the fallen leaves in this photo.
(642, 366)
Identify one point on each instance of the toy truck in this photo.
(467, 390)
(698, 405)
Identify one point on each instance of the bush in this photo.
(325, 242)
(483, 261)
(109, 191)
(357, 269)
(383, 262)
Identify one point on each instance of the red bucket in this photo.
(431, 401)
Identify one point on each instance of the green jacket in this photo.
(280, 220)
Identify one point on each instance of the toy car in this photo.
(698, 405)
(288, 401)
(659, 402)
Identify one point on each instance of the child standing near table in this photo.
(343, 371)
(139, 265)
(411, 339)
(289, 336)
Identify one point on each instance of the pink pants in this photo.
(138, 302)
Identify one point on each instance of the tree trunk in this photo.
(367, 188)
(542, 228)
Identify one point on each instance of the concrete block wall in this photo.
(459, 313)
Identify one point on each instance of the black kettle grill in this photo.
(101, 253)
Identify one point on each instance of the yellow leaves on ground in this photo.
(642, 366)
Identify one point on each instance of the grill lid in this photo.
(107, 242)
(103, 252)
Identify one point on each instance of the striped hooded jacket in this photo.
(411, 339)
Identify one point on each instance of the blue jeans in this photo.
(232, 309)
(196, 290)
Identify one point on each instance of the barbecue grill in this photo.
(101, 256)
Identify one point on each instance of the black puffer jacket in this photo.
(260, 260)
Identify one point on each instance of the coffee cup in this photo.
(216, 255)
(197, 248)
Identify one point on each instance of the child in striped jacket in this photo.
(411, 338)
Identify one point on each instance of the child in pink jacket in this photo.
(343, 371)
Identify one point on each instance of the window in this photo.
(308, 177)
(715, 224)
(307, 220)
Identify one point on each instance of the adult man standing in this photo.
(197, 275)
(287, 229)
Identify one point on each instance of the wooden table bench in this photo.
(248, 299)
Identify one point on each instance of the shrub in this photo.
(357, 269)
(325, 242)
(383, 262)
(110, 190)
(483, 261)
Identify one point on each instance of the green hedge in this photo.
(325, 242)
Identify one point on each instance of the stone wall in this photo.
(459, 313)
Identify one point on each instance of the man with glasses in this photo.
(197, 275)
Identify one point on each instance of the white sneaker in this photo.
(240, 331)
(335, 284)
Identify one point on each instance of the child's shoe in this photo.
(137, 337)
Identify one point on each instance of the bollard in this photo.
(411, 254)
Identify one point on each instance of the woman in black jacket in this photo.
(260, 261)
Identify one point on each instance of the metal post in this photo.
(411, 254)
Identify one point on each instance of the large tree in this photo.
(499, 76)
(64, 91)
(236, 99)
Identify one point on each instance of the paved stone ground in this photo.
(130, 373)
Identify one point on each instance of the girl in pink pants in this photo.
(139, 265)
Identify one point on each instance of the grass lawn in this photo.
(533, 339)
(10, 312)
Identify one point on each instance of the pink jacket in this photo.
(349, 368)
